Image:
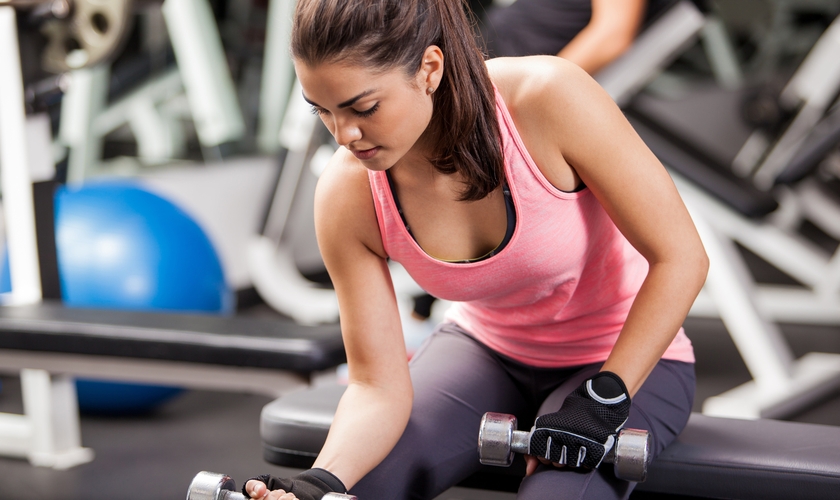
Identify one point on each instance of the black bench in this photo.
(50, 345)
(198, 350)
(712, 458)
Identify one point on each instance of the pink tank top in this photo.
(557, 294)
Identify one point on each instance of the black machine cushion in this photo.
(712, 458)
(819, 142)
(193, 338)
(717, 180)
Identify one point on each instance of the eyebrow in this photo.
(348, 102)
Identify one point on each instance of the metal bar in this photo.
(204, 69)
(192, 375)
(759, 341)
(14, 169)
(277, 74)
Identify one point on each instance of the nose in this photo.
(346, 132)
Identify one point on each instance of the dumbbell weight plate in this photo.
(494, 439)
(92, 34)
(632, 457)
(212, 486)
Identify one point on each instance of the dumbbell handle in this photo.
(521, 442)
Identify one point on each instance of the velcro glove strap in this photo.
(310, 484)
(583, 431)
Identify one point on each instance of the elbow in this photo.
(699, 268)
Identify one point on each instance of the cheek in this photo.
(414, 118)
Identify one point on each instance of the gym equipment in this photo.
(212, 486)
(51, 344)
(498, 440)
(200, 88)
(729, 209)
(712, 458)
(781, 384)
(80, 33)
(652, 50)
(810, 92)
(121, 246)
(275, 276)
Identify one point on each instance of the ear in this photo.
(431, 68)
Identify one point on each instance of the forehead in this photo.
(337, 81)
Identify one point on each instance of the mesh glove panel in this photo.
(583, 431)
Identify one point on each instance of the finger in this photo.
(256, 489)
(531, 464)
(278, 495)
(559, 466)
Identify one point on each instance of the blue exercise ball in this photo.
(121, 246)
(5, 272)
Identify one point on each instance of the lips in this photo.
(366, 154)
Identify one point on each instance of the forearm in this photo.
(611, 30)
(654, 319)
(368, 423)
(592, 49)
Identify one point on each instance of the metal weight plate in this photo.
(209, 486)
(92, 33)
(632, 455)
(494, 439)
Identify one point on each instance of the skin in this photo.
(610, 32)
(574, 132)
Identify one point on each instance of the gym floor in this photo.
(156, 456)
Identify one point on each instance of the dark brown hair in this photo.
(387, 34)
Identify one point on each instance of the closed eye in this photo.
(367, 112)
(318, 111)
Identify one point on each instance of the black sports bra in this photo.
(509, 208)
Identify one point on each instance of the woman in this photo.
(518, 190)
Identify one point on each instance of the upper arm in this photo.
(578, 127)
(350, 244)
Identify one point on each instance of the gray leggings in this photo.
(456, 380)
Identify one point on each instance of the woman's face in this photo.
(378, 116)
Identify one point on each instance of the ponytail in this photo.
(387, 34)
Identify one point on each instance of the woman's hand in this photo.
(583, 431)
(258, 490)
(310, 484)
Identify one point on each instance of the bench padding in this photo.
(192, 338)
(712, 458)
(767, 459)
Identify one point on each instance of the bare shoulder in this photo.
(544, 88)
(344, 210)
(559, 111)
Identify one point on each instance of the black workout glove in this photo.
(310, 484)
(584, 430)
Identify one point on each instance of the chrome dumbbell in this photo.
(212, 486)
(498, 440)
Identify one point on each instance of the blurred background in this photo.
(157, 157)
